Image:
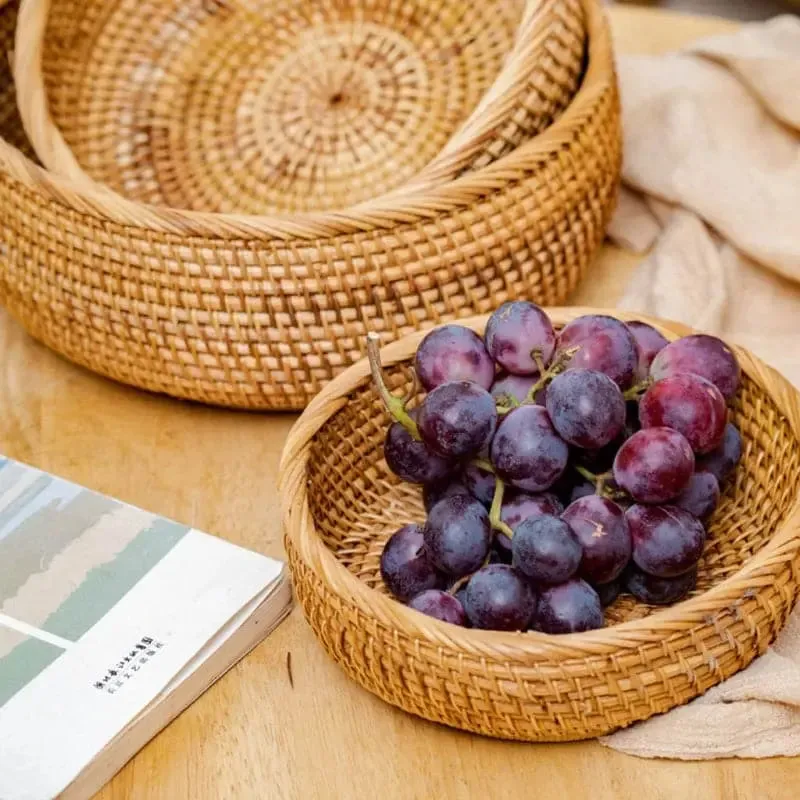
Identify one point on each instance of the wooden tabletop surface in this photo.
(253, 735)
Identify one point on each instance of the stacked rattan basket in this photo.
(233, 193)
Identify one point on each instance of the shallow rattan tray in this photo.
(261, 107)
(341, 503)
(260, 312)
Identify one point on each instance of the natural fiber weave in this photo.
(340, 504)
(262, 107)
(260, 312)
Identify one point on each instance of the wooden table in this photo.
(253, 735)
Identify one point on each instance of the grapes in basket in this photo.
(559, 469)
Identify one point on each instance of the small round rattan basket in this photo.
(341, 503)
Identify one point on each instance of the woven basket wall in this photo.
(260, 312)
(341, 503)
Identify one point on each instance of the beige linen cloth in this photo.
(712, 185)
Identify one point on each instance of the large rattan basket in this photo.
(261, 311)
(341, 503)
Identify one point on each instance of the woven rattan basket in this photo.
(341, 503)
(260, 312)
(262, 107)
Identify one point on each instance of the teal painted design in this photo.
(27, 660)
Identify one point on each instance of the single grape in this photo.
(514, 332)
(702, 355)
(515, 387)
(457, 535)
(526, 450)
(688, 404)
(520, 506)
(587, 408)
(659, 591)
(654, 465)
(609, 592)
(432, 493)
(461, 596)
(439, 605)
(582, 489)
(413, 460)
(405, 567)
(453, 353)
(700, 497)
(721, 462)
(546, 550)
(606, 345)
(602, 530)
(499, 598)
(457, 419)
(650, 343)
(480, 483)
(569, 607)
(667, 541)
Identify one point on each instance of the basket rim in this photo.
(419, 204)
(300, 531)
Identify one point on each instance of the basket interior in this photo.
(258, 106)
(357, 503)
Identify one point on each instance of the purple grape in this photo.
(413, 460)
(602, 530)
(667, 541)
(432, 493)
(587, 408)
(457, 535)
(499, 599)
(659, 591)
(526, 450)
(688, 404)
(582, 489)
(609, 592)
(515, 387)
(606, 345)
(439, 605)
(546, 550)
(721, 462)
(519, 506)
(457, 419)
(702, 355)
(405, 567)
(480, 483)
(701, 497)
(453, 353)
(514, 332)
(650, 343)
(654, 465)
(569, 607)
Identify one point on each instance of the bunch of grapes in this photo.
(558, 469)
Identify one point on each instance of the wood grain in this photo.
(253, 735)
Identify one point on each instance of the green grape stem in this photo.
(497, 504)
(546, 375)
(635, 392)
(396, 406)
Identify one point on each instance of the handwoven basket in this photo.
(341, 503)
(260, 312)
(258, 107)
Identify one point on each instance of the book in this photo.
(112, 621)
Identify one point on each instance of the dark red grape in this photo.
(519, 506)
(702, 355)
(515, 387)
(667, 541)
(650, 342)
(439, 605)
(405, 567)
(453, 353)
(602, 530)
(700, 497)
(659, 591)
(457, 419)
(526, 450)
(545, 549)
(432, 493)
(606, 345)
(654, 465)
(721, 462)
(480, 483)
(457, 535)
(587, 408)
(609, 592)
(568, 608)
(514, 332)
(499, 599)
(688, 404)
(413, 460)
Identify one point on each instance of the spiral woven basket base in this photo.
(341, 504)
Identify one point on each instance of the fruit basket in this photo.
(341, 502)
(260, 312)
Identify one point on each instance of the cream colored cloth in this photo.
(712, 177)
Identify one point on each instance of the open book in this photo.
(112, 621)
